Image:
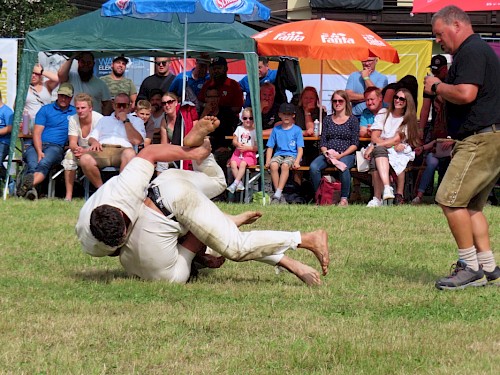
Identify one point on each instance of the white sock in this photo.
(277, 193)
(236, 182)
(469, 256)
(487, 260)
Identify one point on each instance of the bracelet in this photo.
(366, 78)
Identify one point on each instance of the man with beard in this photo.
(84, 81)
(230, 92)
(162, 79)
(117, 82)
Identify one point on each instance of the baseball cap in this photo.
(287, 108)
(219, 60)
(437, 62)
(122, 58)
(66, 89)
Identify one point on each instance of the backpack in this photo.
(328, 191)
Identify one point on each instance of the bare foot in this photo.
(247, 217)
(209, 261)
(305, 273)
(317, 242)
(200, 130)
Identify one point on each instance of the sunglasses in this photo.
(121, 105)
(247, 118)
(161, 63)
(169, 102)
(400, 98)
(338, 100)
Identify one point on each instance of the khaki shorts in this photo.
(472, 173)
(290, 160)
(110, 156)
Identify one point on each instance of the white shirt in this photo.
(109, 130)
(390, 126)
(75, 129)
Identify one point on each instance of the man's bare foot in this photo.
(247, 217)
(305, 273)
(209, 261)
(200, 130)
(317, 242)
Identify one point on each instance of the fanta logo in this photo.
(336, 38)
(292, 36)
(373, 40)
(227, 4)
(262, 34)
(122, 4)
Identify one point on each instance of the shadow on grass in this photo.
(417, 274)
(102, 276)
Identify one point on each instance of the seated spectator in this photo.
(50, 135)
(288, 145)
(269, 108)
(308, 111)
(143, 111)
(394, 134)
(374, 103)
(245, 144)
(6, 120)
(338, 145)
(265, 75)
(40, 91)
(111, 141)
(228, 122)
(80, 126)
(408, 82)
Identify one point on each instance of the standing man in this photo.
(265, 75)
(50, 135)
(84, 81)
(195, 79)
(111, 141)
(472, 94)
(117, 82)
(359, 81)
(162, 79)
(230, 93)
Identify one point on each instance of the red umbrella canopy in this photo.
(431, 6)
(324, 40)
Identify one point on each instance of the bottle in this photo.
(316, 128)
(26, 122)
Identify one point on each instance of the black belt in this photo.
(154, 195)
(489, 129)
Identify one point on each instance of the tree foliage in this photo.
(18, 17)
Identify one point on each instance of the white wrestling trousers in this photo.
(152, 250)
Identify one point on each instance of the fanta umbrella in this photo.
(324, 40)
(431, 6)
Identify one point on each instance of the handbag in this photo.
(362, 164)
(328, 191)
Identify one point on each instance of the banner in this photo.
(8, 70)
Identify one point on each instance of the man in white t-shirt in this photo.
(112, 140)
(115, 220)
(79, 128)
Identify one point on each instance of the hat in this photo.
(437, 62)
(66, 89)
(122, 58)
(287, 108)
(219, 60)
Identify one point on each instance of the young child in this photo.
(244, 154)
(289, 144)
(143, 111)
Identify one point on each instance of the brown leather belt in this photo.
(154, 195)
(489, 129)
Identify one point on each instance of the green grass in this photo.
(377, 312)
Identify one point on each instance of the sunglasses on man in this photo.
(161, 63)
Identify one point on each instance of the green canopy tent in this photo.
(106, 36)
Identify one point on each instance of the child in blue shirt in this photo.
(288, 145)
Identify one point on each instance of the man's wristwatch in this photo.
(434, 87)
(126, 120)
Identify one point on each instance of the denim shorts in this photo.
(472, 173)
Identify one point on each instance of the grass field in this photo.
(377, 312)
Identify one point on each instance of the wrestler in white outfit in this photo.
(152, 250)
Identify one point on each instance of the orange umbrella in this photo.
(324, 40)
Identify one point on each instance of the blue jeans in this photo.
(431, 165)
(53, 155)
(4, 151)
(320, 163)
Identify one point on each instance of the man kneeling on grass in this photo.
(118, 220)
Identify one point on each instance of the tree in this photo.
(19, 17)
